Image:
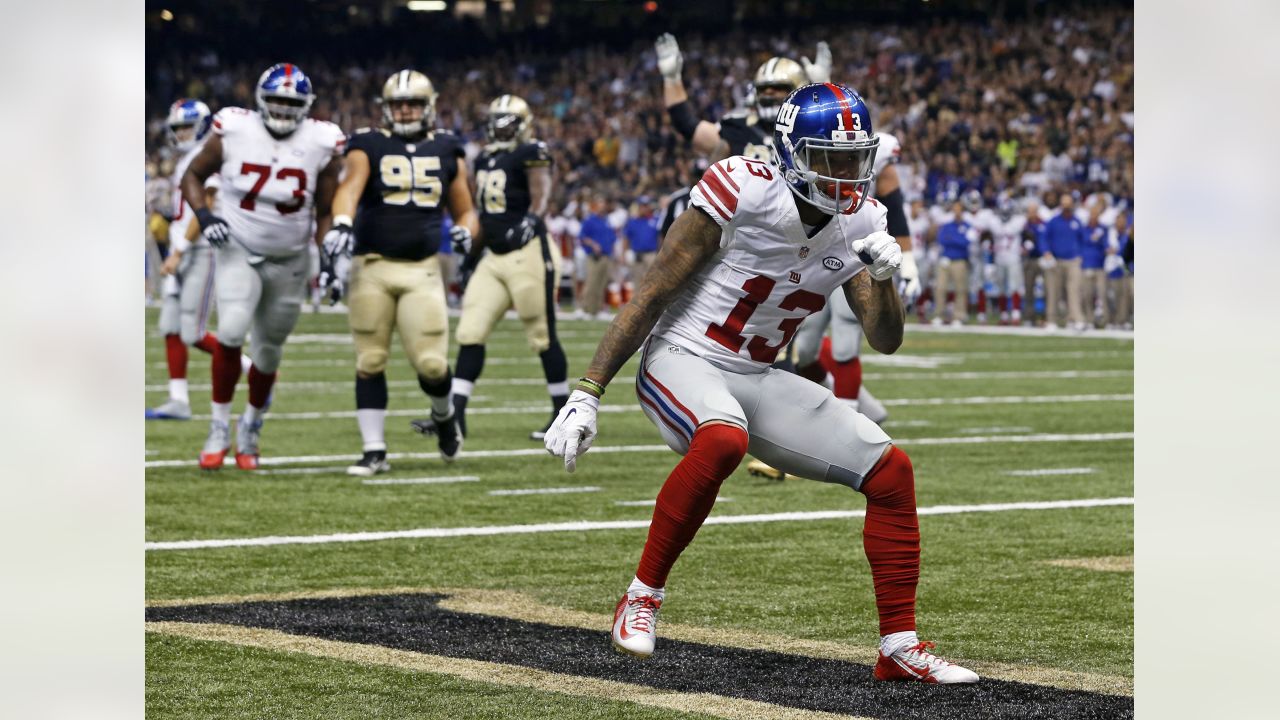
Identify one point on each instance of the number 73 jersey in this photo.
(268, 184)
(741, 309)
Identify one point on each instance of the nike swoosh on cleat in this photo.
(920, 673)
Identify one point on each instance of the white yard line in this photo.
(346, 385)
(584, 526)
(541, 408)
(597, 450)
(421, 480)
(1040, 472)
(995, 429)
(547, 491)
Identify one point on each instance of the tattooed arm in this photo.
(693, 239)
(879, 309)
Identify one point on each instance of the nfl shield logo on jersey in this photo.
(804, 251)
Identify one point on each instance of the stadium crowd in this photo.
(1032, 118)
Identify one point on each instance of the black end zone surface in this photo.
(417, 623)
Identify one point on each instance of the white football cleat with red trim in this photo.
(915, 662)
(216, 447)
(635, 623)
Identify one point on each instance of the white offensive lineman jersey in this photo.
(889, 152)
(269, 183)
(746, 304)
(182, 212)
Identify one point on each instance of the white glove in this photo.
(909, 279)
(670, 60)
(1112, 263)
(819, 71)
(574, 428)
(880, 252)
(340, 240)
(461, 238)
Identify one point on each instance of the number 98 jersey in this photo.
(402, 207)
(502, 189)
(268, 184)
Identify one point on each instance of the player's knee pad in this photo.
(720, 447)
(191, 333)
(371, 361)
(471, 333)
(233, 325)
(430, 365)
(892, 481)
(539, 339)
(266, 356)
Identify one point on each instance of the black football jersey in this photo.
(746, 137)
(403, 204)
(502, 189)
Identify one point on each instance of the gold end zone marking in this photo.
(520, 606)
(494, 673)
(1109, 563)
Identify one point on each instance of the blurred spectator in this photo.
(1064, 235)
(954, 238)
(1093, 254)
(597, 238)
(1032, 241)
(641, 233)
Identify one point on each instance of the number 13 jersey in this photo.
(746, 304)
(269, 183)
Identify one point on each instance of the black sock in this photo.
(460, 411)
(371, 392)
(470, 362)
(556, 369)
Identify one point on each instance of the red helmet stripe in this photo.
(845, 105)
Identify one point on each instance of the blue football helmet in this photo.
(284, 97)
(825, 148)
(186, 115)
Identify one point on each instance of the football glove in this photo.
(574, 428)
(461, 238)
(909, 279)
(880, 252)
(819, 71)
(213, 229)
(520, 235)
(340, 240)
(670, 60)
(333, 277)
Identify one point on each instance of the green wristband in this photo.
(589, 384)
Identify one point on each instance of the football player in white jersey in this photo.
(761, 248)
(279, 171)
(1006, 229)
(188, 270)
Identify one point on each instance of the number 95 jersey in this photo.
(269, 183)
(400, 213)
(747, 302)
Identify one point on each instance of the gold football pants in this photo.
(525, 279)
(405, 295)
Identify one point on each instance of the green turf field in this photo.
(976, 413)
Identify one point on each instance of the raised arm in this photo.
(693, 239)
(879, 309)
(704, 135)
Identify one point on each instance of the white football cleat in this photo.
(635, 623)
(216, 446)
(915, 662)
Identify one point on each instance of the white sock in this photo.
(442, 407)
(245, 363)
(893, 642)
(178, 390)
(372, 421)
(252, 414)
(462, 387)
(560, 388)
(222, 412)
(659, 593)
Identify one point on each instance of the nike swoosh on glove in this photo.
(880, 252)
(574, 429)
